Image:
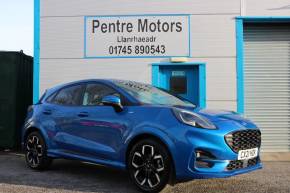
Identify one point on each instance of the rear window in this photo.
(70, 96)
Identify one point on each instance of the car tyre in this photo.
(36, 152)
(149, 165)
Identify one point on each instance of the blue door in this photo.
(82, 125)
(182, 81)
(101, 127)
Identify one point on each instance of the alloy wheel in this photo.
(148, 166)
(34, 150)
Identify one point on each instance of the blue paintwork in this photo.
(202, 85)
(36, 50)
(240, 20)
(264, 18)
(111, 99)
(197, 78)
(191, 73)
(240, 65)
(103, 135)
(189, 35)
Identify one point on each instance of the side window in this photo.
(95, 92)
(68, 96)
(51, 97)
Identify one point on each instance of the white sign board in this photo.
(137, 36)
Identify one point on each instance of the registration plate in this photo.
(248, 154)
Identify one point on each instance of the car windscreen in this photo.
(147, 94)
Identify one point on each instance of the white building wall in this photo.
(213, 41)
(113, 7)
(267, 7)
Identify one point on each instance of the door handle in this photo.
(47, 112)
(83, 114)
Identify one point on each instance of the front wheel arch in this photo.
(30, 130)
(34, 129)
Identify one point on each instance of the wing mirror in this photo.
(114, 101)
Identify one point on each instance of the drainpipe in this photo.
(242, 7)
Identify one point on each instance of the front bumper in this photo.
(224, 174)
(219, 169)
(212, 142)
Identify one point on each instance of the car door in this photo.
(60, 110)
(98, 130)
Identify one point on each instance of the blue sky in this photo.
(16, 25)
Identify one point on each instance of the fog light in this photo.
(203, 159)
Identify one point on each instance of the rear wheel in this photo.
(35, 152)
(149, 165)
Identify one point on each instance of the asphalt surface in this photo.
(72, 176)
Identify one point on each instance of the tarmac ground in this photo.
(72, 176)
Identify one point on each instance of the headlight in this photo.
(193, 119)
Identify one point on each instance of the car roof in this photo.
(94, 80)
(59, 86)
(52, 90)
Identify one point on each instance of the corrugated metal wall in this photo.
(267, 82)
(15, 95)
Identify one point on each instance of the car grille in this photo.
(239, 164)
(244, 139)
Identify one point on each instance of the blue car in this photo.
(159, 138)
